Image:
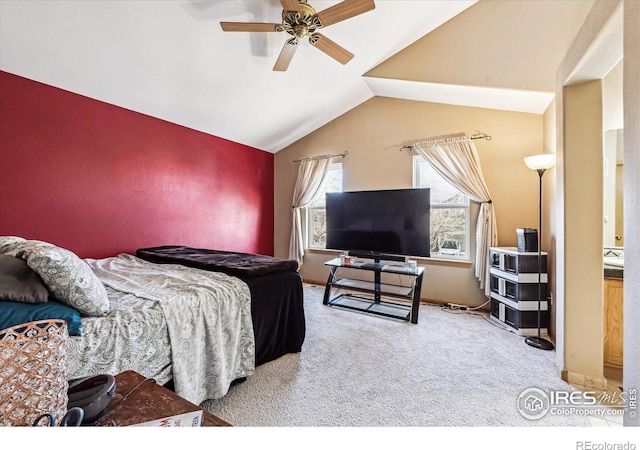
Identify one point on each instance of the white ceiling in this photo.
(171, 60)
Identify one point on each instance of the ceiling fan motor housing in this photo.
(301, 23)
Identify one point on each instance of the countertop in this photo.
(613, 272)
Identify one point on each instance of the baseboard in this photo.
(584, 381)
(426, 301)
(613, 373)
(317, 283)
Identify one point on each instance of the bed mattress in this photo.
(168, 322)
(277, 295)
(133, 336)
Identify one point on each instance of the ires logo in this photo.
(534, 403)
(563, 398)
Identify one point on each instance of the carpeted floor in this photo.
(450, 369)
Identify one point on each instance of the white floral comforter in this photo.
(208, 324)
(133, 336)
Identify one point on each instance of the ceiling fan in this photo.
(300, 20)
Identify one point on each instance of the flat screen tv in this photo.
(388, 222)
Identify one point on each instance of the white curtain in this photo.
(456, 160)
(312, 177)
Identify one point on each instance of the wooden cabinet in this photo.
(139, 399)
(613, 289)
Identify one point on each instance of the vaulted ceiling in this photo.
(171, 59)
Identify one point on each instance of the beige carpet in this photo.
(450, 369)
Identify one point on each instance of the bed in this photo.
(277, 307)
(201, 329)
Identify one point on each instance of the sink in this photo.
(613, 261)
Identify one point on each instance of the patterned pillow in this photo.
(8, 242)
(69, 279)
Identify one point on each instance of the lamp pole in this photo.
(537, 341)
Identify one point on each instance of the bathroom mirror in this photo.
(613, 169)
(613, 158)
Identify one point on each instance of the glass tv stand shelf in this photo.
(367, 296)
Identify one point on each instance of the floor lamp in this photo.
(540, 163)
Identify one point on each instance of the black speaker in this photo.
(527, 239)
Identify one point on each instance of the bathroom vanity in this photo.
(613, 298)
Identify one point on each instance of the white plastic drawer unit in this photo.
(518, 291)
(522, 277)
(514, 289)
(509, 260)
(497, 259)
(519, 320)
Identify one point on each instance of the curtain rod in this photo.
(451, 138)
(322, 157)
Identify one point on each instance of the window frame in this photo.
(417, 160)
(309, 211)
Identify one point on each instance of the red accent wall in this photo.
(100, 180)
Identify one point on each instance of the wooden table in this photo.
(149, 401)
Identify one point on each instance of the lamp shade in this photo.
(540, 162)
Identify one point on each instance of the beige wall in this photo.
(480, 48)
(612, 104)
(373, 132)
(583, 272)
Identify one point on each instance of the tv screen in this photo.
(394, 222)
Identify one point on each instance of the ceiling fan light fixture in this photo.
(300, 31)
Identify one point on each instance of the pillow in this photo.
(15, 313)
(19, 283)
(68, 278)
(7, 243)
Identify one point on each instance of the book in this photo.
(190, 419)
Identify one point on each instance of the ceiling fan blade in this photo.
(290, 5)
(344, 10)
(250, 26)
(332, 49)
(286, 54)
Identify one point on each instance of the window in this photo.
(449, 212)
(316, 213)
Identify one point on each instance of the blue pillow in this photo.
(16, 313)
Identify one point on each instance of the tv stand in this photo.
(367, 296)
(377, 257)
(372, 265)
